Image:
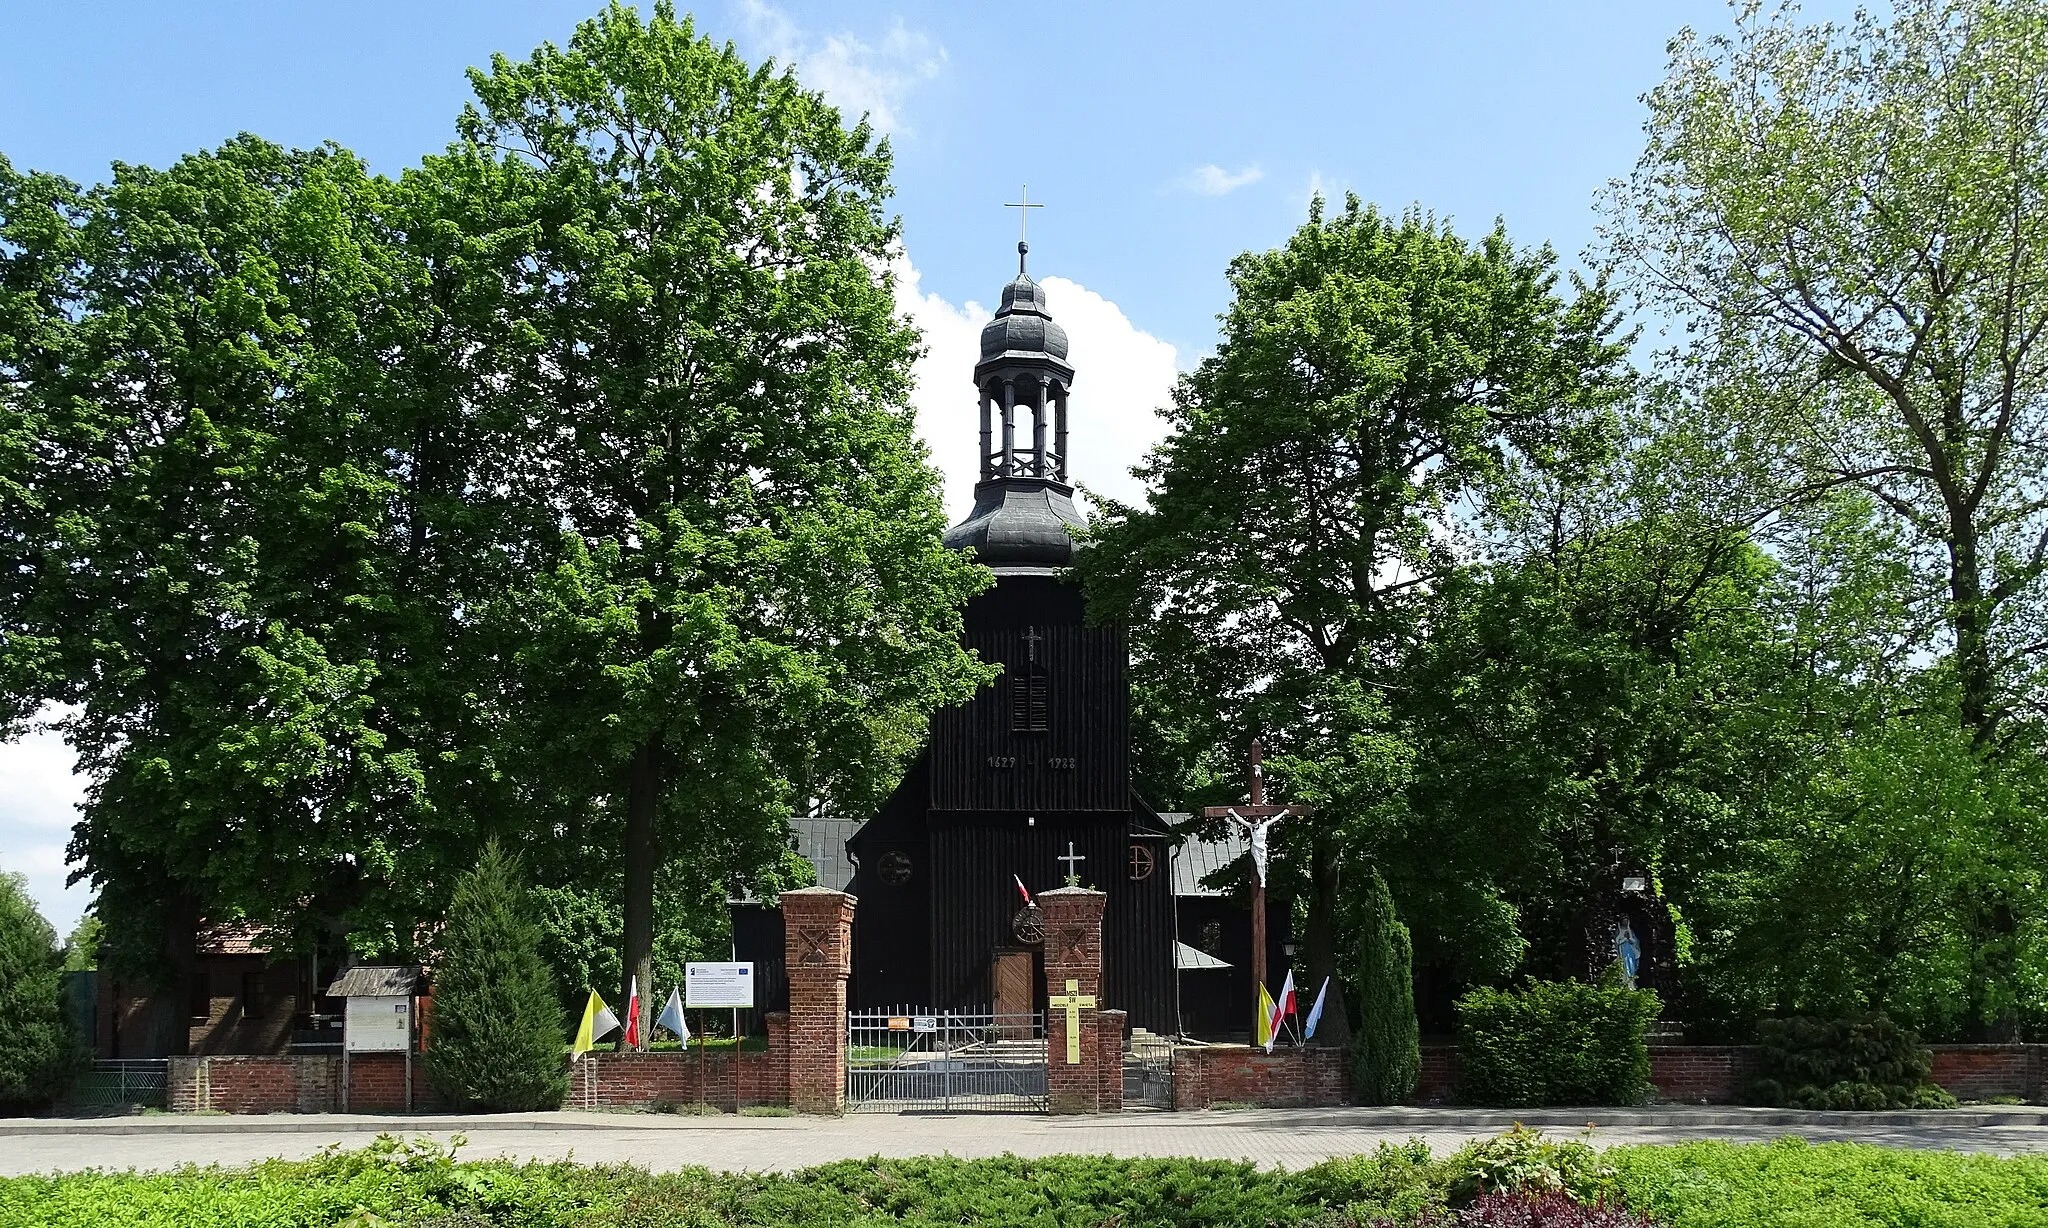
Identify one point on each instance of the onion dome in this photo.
(1022, 328)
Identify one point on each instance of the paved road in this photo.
(1289, 1137)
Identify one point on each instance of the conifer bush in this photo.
(1386, 1052)
(38, 1053)
(499, 1029)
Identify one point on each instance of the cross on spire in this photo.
(1023, 205)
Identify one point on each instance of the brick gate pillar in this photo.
(1073, 983)
(817, 926)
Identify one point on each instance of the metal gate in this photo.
(122, 1081)
(913, 1058)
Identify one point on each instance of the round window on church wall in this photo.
(1141, 862)
(894, 868)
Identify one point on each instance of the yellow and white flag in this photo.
(1265, 1024)
(598, 1023)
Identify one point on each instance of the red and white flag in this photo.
(1020, 888)
(1283, 1006)
(632, 1036)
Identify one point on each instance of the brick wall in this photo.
(1242, 1074)
(1109, 1062)
(1073, 964)
(1981, 1072)
(818, 946)
(1714, 1074)
(255, 1084)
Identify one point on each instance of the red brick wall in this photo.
(817, 926)
(1981, 1072)
(1242, 1074)
(1073, 953)
(255, 1084)
(1437, 1080)
(1109, 1062)
(1714, 1074)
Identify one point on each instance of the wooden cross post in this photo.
(1254, 819)
(1073, 1002)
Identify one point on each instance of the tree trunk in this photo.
(636, 947)
(1320, 945)
(180, 967)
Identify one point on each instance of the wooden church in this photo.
(1029, 782)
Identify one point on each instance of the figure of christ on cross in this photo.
(1256, 820)
(1073, 1002)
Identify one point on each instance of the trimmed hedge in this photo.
(1548, 1183)
(1554, 1043)
(1867, 1062)
(1836, 1185)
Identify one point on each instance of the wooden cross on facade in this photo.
(1031, 639)
(1073, 1002)
(1256, 819)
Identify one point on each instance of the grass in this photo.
(767, 1110)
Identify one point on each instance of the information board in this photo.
(377, 1025)
(717, 985)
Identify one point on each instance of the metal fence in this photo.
(118, 1081)
(1148, 1071)
(914, 1058)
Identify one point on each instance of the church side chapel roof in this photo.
(1195, 860)
(822, 842)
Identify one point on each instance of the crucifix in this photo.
(1073, 860)
(1073, 1002)
(1257, 820)
(1031, 638)
(1023, 205)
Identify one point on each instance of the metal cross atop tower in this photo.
(1023, 206)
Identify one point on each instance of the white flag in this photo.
(672, 1016)
(1315, 1013)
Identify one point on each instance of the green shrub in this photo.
(1386, 1052)
(1523, 1161)
(1865, 1062)
(1706, 1185)
(38, 1053)
(1555, 1042)
(1830, 1185)
(498, 1027)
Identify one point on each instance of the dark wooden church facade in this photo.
(1029, 782)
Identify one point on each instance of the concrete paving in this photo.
(1292, 1138)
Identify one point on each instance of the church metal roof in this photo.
(1195, 860)
(822, 842)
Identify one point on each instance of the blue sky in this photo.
(1165, 139)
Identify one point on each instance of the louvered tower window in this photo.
(1028, 707)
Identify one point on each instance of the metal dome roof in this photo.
(1022, 326)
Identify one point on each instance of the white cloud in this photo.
(38, 804)
(854, 75)
(1213, 180)
(1122, 377)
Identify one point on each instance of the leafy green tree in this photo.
(82, 949)
(499, 1029)
(1377, 377)
(1386, 1045)
(1856, 217)
(740, 600)
(1853, 221)
(38, 1053)
(198, 564)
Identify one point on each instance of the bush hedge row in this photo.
(1700, 1185)
(1554, 1042)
